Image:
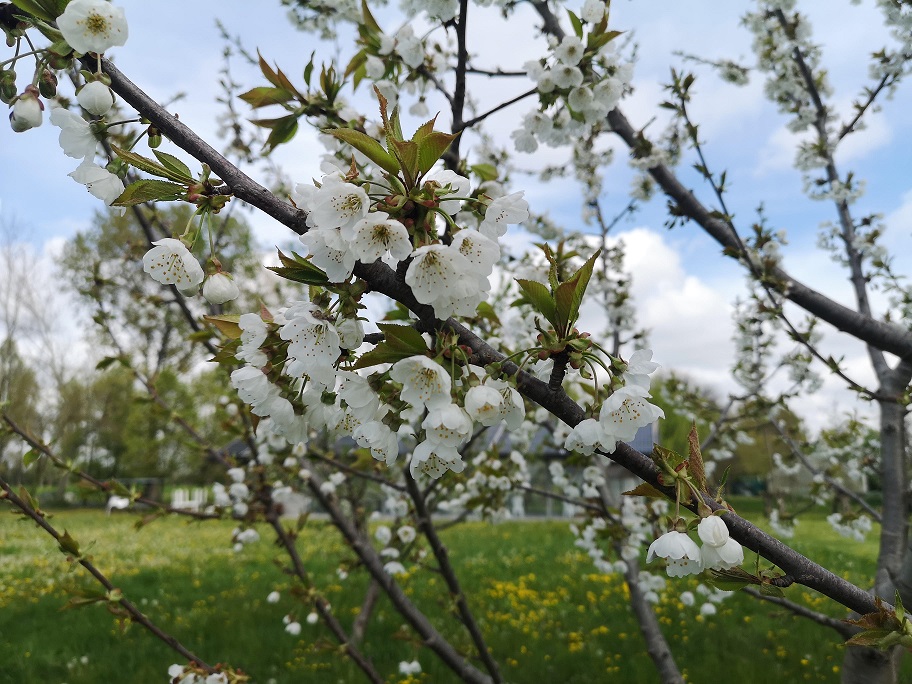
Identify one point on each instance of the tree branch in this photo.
(134, 613)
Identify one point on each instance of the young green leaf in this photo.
(367, 146)
(149, 191)
(228, 325)
(538, 296)
(172, 163)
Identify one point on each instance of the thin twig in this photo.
(321, 604)
(134, 613)
(449, 576)
(844, 630)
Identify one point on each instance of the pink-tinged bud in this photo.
(96, 98)
(220, 288)
(27, 110)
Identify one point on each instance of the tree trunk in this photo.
(865, 665)
(656, 645)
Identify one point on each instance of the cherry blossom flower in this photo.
(27, 111)
(679, 551)
(585, 437)
(330, 253)
(406, 534)
(253, 334)
(437, 277)
(378, 234)
(76, 136)
(483, 405)
(479, 250)
(625, 412)
(219, 288)
(273, 597)
(337, 204)
(169, 261)
(293, 628)
(452, 184)
(448, 425)
(382, 442)
(424, 382)
(409, 668)
(719, 550)
(570, 51)
(639, 368)
(351, 333)
(315, 344)
(96, 98)
(507, 210)
(93, 25)
(593, 11)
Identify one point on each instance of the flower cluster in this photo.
(684, 557)
(622, 414)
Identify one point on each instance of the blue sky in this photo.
(175, 47)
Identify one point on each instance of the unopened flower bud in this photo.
(220, 288)
(96, 98)
(27, 111)
(47, 84)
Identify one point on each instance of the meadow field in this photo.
(547, 615)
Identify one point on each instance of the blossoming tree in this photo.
(409, 224)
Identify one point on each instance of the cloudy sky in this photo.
(683, 286)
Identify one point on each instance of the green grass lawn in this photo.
(547, 615)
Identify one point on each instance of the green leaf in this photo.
(284, 130)
(486, 172)
(264, 96)
(172, 163)
(382, 353)
(432, 147)
(569, 295)
(48, 10)
(695, 458)
(310, 275)
(367, 146)
(540, 298)
(82, 601)
(30, 457)
(403, 338)
(400, 342)
(140, 162)
(576, 24)
(486, 311)
(872, 637)
(68, 545)
(645, 489)
(149, 191)
(227, 353)
(227, 325)
(424, 130)
(598, 41)
(369, 20)
(355, 63)
(308, 70)
(268, 72)
(407, 153)
(771, 590)
(729, 584)
(107, 362)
